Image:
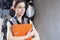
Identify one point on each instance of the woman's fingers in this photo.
(30, 33)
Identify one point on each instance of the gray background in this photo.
(47, 19)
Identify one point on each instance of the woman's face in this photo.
(20, 9)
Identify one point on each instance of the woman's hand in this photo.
(30, 33)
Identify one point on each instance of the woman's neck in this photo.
(19, 18)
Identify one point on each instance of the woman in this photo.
(19, 8)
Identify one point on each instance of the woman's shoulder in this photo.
(26, 20)
(10, 20)
(30, 21)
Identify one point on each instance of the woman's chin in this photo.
(21, 14)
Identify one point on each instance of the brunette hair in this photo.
(18, 1)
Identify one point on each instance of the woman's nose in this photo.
(22, 9)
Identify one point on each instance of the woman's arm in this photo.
(36, 34)
(8, 31)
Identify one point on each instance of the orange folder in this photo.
(21, 29)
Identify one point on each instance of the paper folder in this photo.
(21, 29)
